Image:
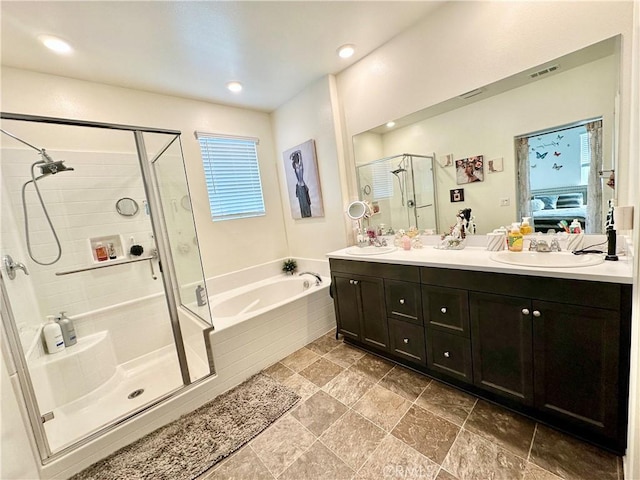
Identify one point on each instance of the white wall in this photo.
(226, 246)
(311, 115)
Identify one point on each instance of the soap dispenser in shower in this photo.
(68, 330)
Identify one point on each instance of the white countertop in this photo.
(478, 259)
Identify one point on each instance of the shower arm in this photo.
(22, 141)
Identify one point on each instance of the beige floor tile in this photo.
(324, 344)
(242, 465)
(447, 402)
(278, 372)
(353, 438)
(534, 472)
(499, 425)
(372, 367)
(472, 457)
(321, 372)
(282, 443)
(405, 383)
(344, 355)
(570, 458)
(300, 359)
(382, 407)
(429, 434)
(301, 386)
(317, 463)
(394, 459)
(319, 412)
(348, 387)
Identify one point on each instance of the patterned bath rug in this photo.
(195, 442)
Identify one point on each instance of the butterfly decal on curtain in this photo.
(556, 166)
(557, 154)
(541, 155)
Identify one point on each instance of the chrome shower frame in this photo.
(11, 337)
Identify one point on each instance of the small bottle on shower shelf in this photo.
(111, 251)
(101, 252)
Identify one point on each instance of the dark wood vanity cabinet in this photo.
(554, 349)
(360, 309)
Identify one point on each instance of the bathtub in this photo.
(241, 304)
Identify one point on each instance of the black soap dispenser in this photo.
(611, 235)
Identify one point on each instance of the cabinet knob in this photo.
(447, 354)
(443, 309)
(351, 282)
(525, 311)
(406, 340)
(402, 301)
(536, 313)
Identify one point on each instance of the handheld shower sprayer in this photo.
(48, 166)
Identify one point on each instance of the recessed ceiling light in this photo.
(55, 44)
(235, 87)
(345, 51)
(391, 124)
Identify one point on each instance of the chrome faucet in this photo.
(318, 278)
(539, 246)
(555, 245)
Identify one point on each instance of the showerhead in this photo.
(398, 170)
(50, 166)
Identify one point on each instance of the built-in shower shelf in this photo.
(108, 264)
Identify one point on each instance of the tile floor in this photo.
(361, 417)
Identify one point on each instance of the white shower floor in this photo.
(158, 373)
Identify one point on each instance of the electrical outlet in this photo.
(504, 202)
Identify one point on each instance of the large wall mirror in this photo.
(479, 130)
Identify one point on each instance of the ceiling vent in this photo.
(472, 93)
(544, 71)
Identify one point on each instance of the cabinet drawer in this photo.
(449, 354)
(407, 340)
(392, 271)
(446, 309)
(403, 301)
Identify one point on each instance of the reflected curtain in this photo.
(524, 187)
(594, 188)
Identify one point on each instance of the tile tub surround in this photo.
(477, 441)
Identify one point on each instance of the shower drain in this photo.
(136, 393)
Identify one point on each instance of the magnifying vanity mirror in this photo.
(127, 207)
(486, 124)
(357, 210)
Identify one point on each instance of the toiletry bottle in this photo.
(101, 252)
(525, 227)
(575, 226)
(52, 334)
(515, 239)
(68, 330)
(406, 242)
(111, 250)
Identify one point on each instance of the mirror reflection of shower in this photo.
(401, 191)
(48, 166)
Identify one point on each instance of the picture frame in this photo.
(470, 170)
(303, 181)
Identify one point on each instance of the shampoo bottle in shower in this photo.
(52, 334)
(101, 252)
(68, 330)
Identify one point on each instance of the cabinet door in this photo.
(576, 352)
(446, 309)
(346, 304)
(501, 340)
(407, 340)
(373, 323)
(449, 354)
(403, 301)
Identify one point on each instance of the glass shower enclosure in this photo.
(400, 190)
(97, 227)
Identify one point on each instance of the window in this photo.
(585, 158)
(233, 176)
(382, 181)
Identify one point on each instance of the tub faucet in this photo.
(318, 278)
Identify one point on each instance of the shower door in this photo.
(108, 191)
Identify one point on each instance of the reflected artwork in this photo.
(469, 170)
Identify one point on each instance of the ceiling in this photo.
(193, 48)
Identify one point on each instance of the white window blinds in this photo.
(233, 176)
(382, 181)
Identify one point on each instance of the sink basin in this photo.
(370, 250)
(547, 259)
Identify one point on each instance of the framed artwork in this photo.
(303, 181)
(470, 170)
(495, 165)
